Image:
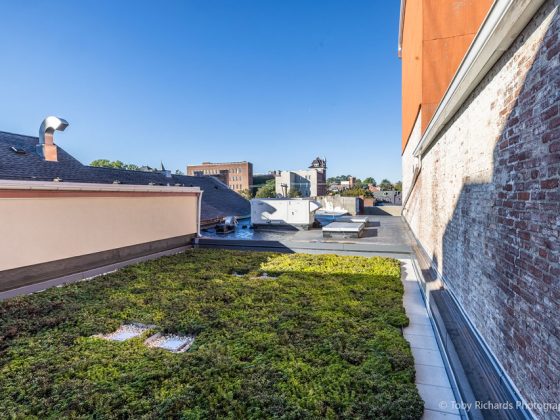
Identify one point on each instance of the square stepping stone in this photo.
(171, 342)
(126, 332)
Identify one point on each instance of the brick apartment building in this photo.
(481, 171)
(237, 175)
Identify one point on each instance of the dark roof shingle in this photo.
(217, 200)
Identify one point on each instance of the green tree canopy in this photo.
(356, 191)
(268, 190)
(117, 164)
(337, 179)
(398, 186)
(247, 194)
(386, 185)
(370, 180)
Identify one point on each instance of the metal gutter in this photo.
(504, 22)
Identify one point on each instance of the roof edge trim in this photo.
(401, 28)
(78, 186)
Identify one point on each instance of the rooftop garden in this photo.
(317, 336)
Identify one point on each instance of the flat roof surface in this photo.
(386, 235)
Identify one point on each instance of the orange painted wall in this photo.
(411, 66)
(446, 30)
(449, 27)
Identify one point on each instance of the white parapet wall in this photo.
(43, 222)
(296, 212)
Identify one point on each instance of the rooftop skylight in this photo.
(18, 150)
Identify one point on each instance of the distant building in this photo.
(310, 182)
(237, 175)
(334, 188)
(349, 183)
(373, 188)
(389, 197)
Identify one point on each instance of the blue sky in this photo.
(275, 82)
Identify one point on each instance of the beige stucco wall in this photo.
(41, 229)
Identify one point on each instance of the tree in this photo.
(356, 191)
(246, 194)
(398, 186)
(370, 180)
(386, 185)
(179, 172)
(294, 193)
(117, 164)
(268, 190)
(337, 179)
(101, 163)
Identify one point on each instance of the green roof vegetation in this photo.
(320, 336)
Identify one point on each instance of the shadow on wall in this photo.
(501, 246)
(383, 210)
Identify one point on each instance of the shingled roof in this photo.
(20, 161)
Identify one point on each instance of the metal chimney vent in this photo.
(46, 147)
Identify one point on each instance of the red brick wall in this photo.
(505, 235)
(526, 243)
(486, 208)
(237, 175)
